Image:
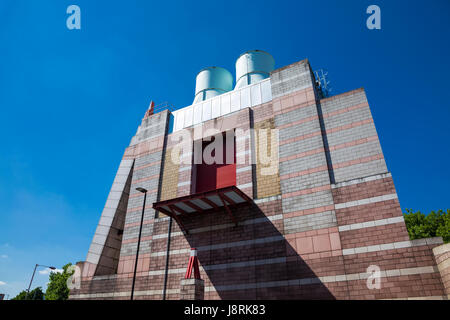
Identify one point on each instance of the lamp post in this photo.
(32, 277)
(144, 191)
(166, 273)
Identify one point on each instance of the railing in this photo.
(163, 106)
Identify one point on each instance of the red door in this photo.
(216, 175)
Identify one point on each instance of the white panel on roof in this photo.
(235, 101)
(179, 122)
(225, 104)
(215, 108)
(188, 116)
(256, 94)
(245, 98)
(206, 110)
(266, 91)
(197, 113)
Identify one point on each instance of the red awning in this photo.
(204, 202)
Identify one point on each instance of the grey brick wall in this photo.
(310, 222)
(151, 127)
(344, 101)
(129, 249)
(147, 159)
(303, 163)
(293, 148)
(308, 181)
(288, 80)
(135, 216)
(132, 232)
(367, 149)
(294, 77)
(295, 115)
(360, 170)
(349, 135)
(146, 172)
(307, 201)
(151, 184)
(347, 117)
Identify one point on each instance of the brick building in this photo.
(305, 225)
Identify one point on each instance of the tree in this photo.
(57, 287)
(443, 229)
(435, 224)
(35, 294)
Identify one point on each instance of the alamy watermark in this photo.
(74, 20)
(374, 20)
(374, 279)
(74, 281)
(211, 146)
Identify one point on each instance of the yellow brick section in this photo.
(169, 183)
(267, 166)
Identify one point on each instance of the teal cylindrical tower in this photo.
(211, 82)
(253, 66)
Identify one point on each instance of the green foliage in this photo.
(57, 288)
(35, 294)
(435, 224)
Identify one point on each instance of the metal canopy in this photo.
(204, 202)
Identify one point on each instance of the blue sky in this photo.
(72, 99)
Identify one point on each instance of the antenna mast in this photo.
(322, 83)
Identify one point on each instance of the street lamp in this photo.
(144, 191)
(32, 277)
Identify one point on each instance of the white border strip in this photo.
(393, 245)
(325, 279)
(361, 202)
(369, 224)
(184, 183)
(243, 169)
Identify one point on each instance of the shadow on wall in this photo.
(251, 270)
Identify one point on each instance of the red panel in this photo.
(226, 176)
